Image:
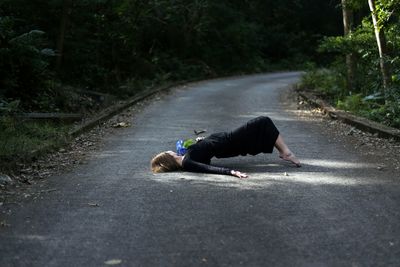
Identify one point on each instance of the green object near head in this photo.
(188, 143)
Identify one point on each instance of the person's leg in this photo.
(284, 151)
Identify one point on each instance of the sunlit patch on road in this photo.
(261, 176)
(260, 181)
(337, 164)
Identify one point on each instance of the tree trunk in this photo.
(66, 11)
(348, 19)
(381, 41)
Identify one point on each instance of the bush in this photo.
(19, 139)
(23, 62)
(324, 82)
(352, 103)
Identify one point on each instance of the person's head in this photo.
(165, 162)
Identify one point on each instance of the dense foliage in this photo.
(103, 44)
(367, 95)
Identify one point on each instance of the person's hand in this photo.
(239, 174)
(199, 138)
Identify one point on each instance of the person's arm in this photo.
(194, 166)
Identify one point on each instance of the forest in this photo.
(52, 53)
(363, 74)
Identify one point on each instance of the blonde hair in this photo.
(164, 162)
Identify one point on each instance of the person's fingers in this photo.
(244, 175)
(241, 175)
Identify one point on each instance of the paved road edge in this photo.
(119, 107)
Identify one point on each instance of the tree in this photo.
(381, 42)
(348, 20)
(66, 11)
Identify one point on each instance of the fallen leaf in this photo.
(197, 132)
(48, 190)
(121, 125)
(113, 262)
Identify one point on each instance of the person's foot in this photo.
(291, 158)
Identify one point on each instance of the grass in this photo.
(20, 141)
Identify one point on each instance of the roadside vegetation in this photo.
(364, 77)
(23, 141)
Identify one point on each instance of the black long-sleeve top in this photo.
(198, 156)
(256, 136)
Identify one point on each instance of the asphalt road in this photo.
(337, 210)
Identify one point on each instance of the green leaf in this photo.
(188, 143)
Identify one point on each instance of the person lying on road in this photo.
(258, 135)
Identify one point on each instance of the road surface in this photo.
(337, 210)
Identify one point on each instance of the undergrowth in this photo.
(20, 141)
(330, 85)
